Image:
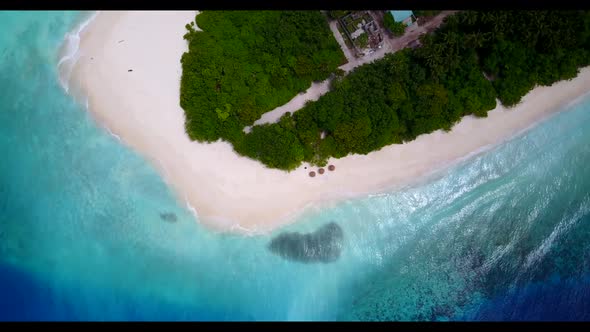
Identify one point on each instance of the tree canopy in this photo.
(417, 91)
(396, 28)
(425, 13)
(245, 63)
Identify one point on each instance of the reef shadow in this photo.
(322, 246)
(168, 216)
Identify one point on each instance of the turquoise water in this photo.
(89, 231)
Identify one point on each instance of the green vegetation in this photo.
(245, 63)
(396, 28)
(346, 40)
(413, 92)
(425, 13)
(363, 40)
(336, 14)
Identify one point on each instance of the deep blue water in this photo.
(504, 235)
(555, 299)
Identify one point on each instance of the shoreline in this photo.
(228, 192)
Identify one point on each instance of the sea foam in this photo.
(71, 51)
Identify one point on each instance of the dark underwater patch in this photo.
(322, 246)
(168, 216)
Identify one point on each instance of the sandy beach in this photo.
(129, 69)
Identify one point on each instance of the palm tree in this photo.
(499, 22)
(432, 60)
(474, 40)
(486, 17)
(469, 17)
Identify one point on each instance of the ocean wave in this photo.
(86, 104)
(559, 230)
(191, 208)
(113, 134)
(71, 52)
(243, 229)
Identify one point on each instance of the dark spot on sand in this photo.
(323, 246)
(130, 70)
(168, 216)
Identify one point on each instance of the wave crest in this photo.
(70, 52)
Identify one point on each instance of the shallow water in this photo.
(503, 235)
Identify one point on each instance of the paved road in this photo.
(390, 45)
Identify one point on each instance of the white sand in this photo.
(230, 192)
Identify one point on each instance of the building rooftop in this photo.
(401, 15)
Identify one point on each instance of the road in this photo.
(390, 45)
(347, 52)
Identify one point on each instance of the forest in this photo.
(245, 63)
(417, 91)
(396, 28)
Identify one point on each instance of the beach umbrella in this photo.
(321, 171)
(331, 167)
(312, 174)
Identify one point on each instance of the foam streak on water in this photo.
(71, 51)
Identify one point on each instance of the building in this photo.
(362, 31)
(404, 16)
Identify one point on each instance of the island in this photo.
(187, 95)
(473, 59)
